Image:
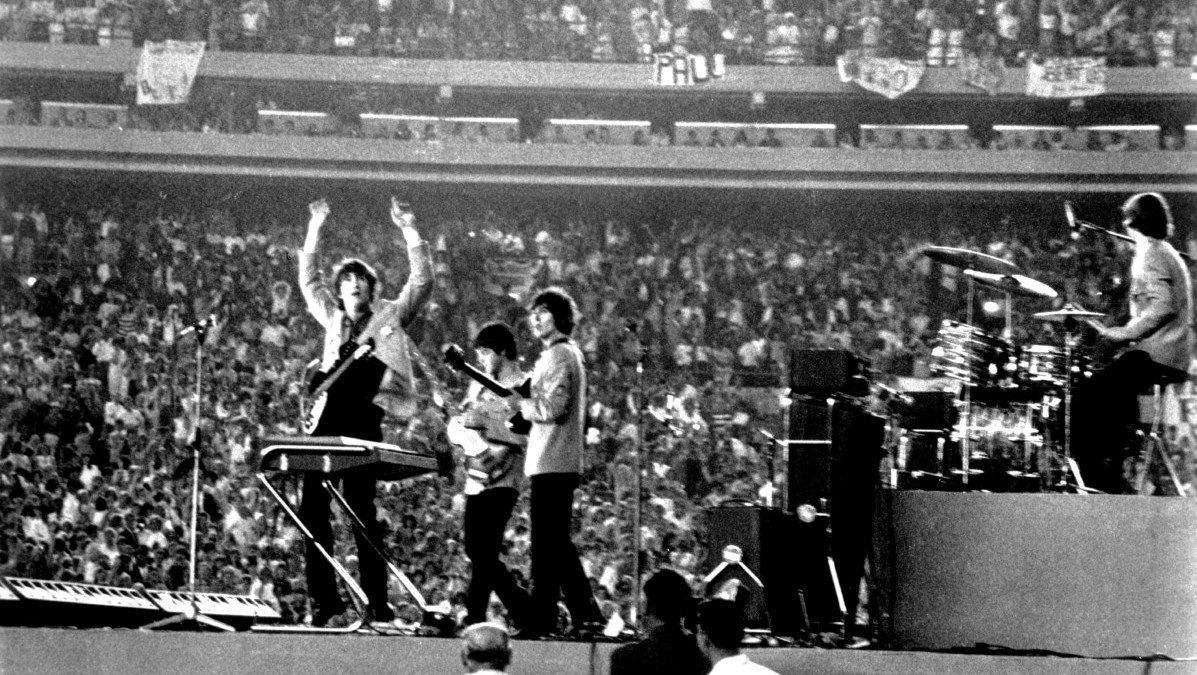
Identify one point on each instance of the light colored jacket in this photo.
(386, 327)
(557, 411)
(1161, 311)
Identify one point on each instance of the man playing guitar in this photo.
(494, 463)
(377, 381)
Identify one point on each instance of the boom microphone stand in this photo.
(192, 613)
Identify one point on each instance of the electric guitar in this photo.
(488, 454)
(322, 381)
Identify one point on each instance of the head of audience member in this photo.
(485, 648)
(668, 599)
(720, 628)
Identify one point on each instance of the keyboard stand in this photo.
(356, 594)
(391, 566)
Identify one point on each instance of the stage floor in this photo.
(1077, 584)
(54, 651)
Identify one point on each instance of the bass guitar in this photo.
(324, 380)
(488, 450)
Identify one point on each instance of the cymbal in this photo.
(969, 260)
(1069, 311)
(1015, 284)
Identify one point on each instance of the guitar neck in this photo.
(340, 369)
(485, 380)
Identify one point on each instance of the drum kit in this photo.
(1012, 402)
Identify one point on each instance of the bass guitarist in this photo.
(364, 392)
(494, 463)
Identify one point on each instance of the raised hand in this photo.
(319, 207)
(401, 213)
(319, 210)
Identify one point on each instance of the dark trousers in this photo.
(1105, 416)
(556, 567)
(486, 516)
(315, 511)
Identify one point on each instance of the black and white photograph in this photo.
(598, 337)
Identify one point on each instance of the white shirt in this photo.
(740, 665)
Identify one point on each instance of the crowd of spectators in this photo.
(99, 379)
(784, 32)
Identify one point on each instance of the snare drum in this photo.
(970, 355)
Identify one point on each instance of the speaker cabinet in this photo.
(777, 549)
(834, 458)
(825, 371)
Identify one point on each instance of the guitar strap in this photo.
(360, 380)
(351, 330)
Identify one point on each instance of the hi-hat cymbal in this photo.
(1015, 284)
(1069, 311)
(969, 260)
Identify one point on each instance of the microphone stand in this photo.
(1080, 226)
(637, 469)
(192, 614)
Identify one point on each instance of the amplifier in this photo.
(827, 371)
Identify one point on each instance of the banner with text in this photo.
(671, 69)
(167, 70)
(983, 72)
(889, 77)
(1067, 77)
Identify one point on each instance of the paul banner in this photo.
(671, 68)
(890, 77)
(167, 70)
(1075, 77)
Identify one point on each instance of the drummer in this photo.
(1157, 344)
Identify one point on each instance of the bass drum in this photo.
(972, 356)
(1005, 438)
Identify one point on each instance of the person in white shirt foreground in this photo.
(720, 632)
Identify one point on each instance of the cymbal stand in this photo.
(1069, 465)
(966, 412)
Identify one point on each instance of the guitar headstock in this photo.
(455, 357)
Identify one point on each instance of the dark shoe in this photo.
(380, 613)
(325, 613)
(587, 630)
(529, 633)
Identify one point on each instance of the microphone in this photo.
(203, 325)
(1073, 223)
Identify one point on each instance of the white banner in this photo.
(512, 275)
(983, 72)
(687, 69)
(167, 70)
(1066, 77)
(889, 77)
